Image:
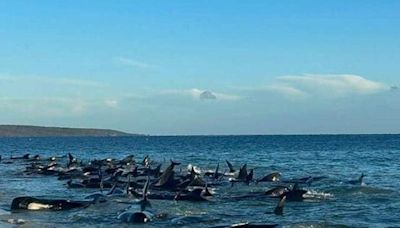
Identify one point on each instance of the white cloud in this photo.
(112, 103)
(333, 85)
(227, 97)
(133, 63)
(309, 86)
(286, 90)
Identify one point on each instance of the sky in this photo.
(202, 67)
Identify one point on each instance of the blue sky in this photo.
(202, 67)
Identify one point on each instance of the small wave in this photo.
(185, 220)
(11, 222)
(316, 225)
(317, 196)
(4, 212)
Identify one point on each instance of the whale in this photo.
(166, 180)
(295, 193)
(292, 193)
(127, 160)
(197, 194)
(276, 191)
(358, 181)
(35, 204)
(272, 177)
(138, 215)
(243, 176)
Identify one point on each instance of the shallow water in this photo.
(332, 201)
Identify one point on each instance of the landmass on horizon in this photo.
(40, 131)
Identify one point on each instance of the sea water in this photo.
(330, 201)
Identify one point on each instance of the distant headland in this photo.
(39, 131)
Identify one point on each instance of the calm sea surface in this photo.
(334, 202)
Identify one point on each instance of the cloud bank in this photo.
(323, 86)
(337, 84)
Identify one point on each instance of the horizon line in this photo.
(210, 134)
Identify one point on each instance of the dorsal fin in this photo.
(295, 187)
(101, 179)
(279, 208)
(146, 188)
(70, 157)
(207, 191)
(113, 187)
(144, 202)
(146, 161)
(230, 166)
(361, 178)
(128, 185)
(157, 171)
(243, 172)
(135, 171)
(249, 176)
(167, 175)
(193, 174)
(215, 176)
(128, 159)
(115, 176)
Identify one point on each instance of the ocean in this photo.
(332, 202)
